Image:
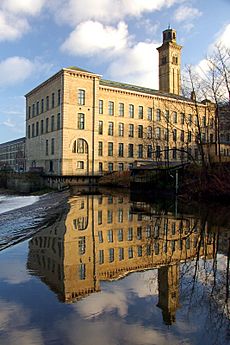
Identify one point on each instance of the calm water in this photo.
(113, 271)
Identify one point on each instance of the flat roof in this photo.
(15, 141)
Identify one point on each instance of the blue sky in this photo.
(114, 38)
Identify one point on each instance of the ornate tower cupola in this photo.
(169, 63)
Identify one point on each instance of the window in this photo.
(110, 149)
(120, 166)
(82, 146)
(174, 117)
(81, 121)
(174, 153)
(47, 103)
(131, 131)
(37, 108)
(158, 115)
(150, 114)
(47, 125)
(130, 234)
(111, 254)
(121, 150)
(140, 151)
(139, 251)
(111, 108)
(100, 148)
(110, 235)
(182, 136)
(120, 235)
(166, 152)
(81, 245)
(101, 256)
(110, 128)
(158, 133)
(110, 167)
(28, 132)
(167, 115)
(174, 135)
(80, 165)
(156, 248)
(47, 147)
(82, 271)
(100, 236)
(131, 110)
(42, 105)
(37, 128)
(52, 100)
(189, 136)
(59, 97)
(158, 151)
(204, 121)
(99, 217)
(109, 216)
(140, 131)
(100, 106)
(190, 119)
(52, 146)
(100, 127)
(148, 231)
(182, 117)
(149, 151)
(29, 112)
(121, 129)
(58, 121)
(120, 215)
(140, 112)
(139, 232)
(33, 110)
(149, 132)
(42, 126)
(167, 134)
(121, 109)
(130, 150)
(81, 97)
(121, 254)
(100, 167)
(130, 252)
(52, 123)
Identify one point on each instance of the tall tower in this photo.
(169, 63)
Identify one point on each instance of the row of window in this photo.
(45, 104)
(44, 126)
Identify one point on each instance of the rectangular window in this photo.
(190, 119)
(110, 167)
(47, 147)
(182, 136)
(121, 254)
(37, 129)
(149, 132)
(100, 236)
(52, 100)
(52, 146)
(28, 132)
(42, 105)
(140, 131)
(120, 166)
(121, 129)
(174, 117)
(150, 114)
(148, 231)
(139, 251)
(182, 117)
(100, 148)
(100, 127)
(121, 150)
(110, 149)
(58, 121)
(42, 126)
(100, 167)
(189, 136)
(149, 151)
(110, 128)
(52, 123)
(130, 150)
(130, 234)
(99, 217)
(111, 254)
(29, 112)
(33, 110)
(80, 165)
(140, 151)
(110, 235)
(204, 121)
(130, 252)
(139, 232)
(120, 235)
(81, 121)
(47, 125)
(82, 271)
(81, 245)
(174, 135)
(100, 106)
(131, 131)
(166, 152)
(59, 97)
(120, 215)
(140, 112)
(81, 97)
(47, 103)
(131, 110)
(158, 115)
(37, 108)
(158, 133)
(111, 108)
(158, 151)
(121, 109)
(101, 256)
(167, 115)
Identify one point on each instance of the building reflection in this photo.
(105, 237)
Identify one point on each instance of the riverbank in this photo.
(22, 222)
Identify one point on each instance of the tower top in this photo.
(169, 35)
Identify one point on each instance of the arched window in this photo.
(80, 146)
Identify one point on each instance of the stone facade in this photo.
(79, 124)
(12, 155)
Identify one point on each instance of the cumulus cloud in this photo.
(92, 37)
(106, 11)
(12, 27)
(31, 7)
(184, 13)
(223, 37)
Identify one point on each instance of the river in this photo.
(114, 269)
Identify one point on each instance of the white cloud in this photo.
(184, 13)
(31, 7)
(106, 11)
(12, 27)
(137, 64)
(93, 37)
(223, 37)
